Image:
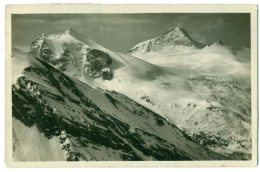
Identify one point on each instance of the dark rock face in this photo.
(51, 122)
(68, 109)
(97, 64)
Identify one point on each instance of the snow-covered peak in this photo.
(79, 56)
(73, 53)
(57, 40)
(173, 37)
(66, 35)
(178, 28)
(176, 36)
(177, 31)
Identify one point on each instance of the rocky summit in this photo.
(68, 52)
(174, 37)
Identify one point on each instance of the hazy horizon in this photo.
(120, 32)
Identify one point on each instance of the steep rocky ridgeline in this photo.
(91, 125)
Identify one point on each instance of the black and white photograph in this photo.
(144, 86)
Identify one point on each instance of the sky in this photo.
(120, 32)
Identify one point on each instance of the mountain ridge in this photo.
(176, 36)
(199, 97)
(84, 124)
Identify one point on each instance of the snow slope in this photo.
(205, 92)
(29, 144)
(52, 111)
(215, 105)
(215, 59)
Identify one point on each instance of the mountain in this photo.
(214, 101)
(217, 58)
(72, 55)
(57, 117)
(204, 92)
(174, 37)
(76, 55)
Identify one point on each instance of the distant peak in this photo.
(175, 36)
(179, 28)
(174, 29)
